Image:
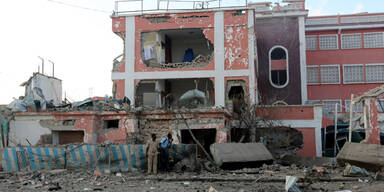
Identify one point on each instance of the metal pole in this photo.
(167, 5)
(42, 65)
(142, 9)
(334, 147)
(53, 68)
(350, 119)
(116, 6)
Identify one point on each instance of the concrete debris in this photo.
(290, 184)
(281, 141)
(234, 155)
(368, 156)
(271, 178)
(211, 189)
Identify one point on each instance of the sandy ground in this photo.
(267, 178)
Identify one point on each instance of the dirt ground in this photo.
(265, 179)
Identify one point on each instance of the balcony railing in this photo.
(155, 6)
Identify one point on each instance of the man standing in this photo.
(165, 144)
(152, 152)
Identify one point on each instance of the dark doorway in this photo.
(236, 94)
(206, 137)
(67, 137)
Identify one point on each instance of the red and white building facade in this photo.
(345, 55)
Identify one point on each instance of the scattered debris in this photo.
(290, 184)
(308, 161)
(281, 141)
(211, 189)
(368, 156)
(97, 172)
(354, 171)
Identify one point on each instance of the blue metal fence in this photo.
(100, 157)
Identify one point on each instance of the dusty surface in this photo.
(267, 178)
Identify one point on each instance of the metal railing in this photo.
(148, 6)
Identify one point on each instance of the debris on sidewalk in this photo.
(354, 171)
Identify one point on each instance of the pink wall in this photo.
(120, 88)
(309, 148)
(236, 40)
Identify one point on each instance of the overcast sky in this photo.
(81, 43)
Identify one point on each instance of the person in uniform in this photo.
(152, 153)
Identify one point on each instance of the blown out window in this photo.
(278, 66)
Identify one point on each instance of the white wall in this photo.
(27, 127)
(51, 87)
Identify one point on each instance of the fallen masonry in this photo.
(269, 178)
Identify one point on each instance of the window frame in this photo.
(382, 33)
(337, 41)
(365, 72)
(339, 109)
(350, 34)
(353, 65)
(318, 74)
(270, 66)
(330, 65)
(346, 107)
(316, 43)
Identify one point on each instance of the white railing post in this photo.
(334, 147)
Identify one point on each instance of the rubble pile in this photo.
(269, 178)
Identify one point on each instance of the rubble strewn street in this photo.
(268, 178)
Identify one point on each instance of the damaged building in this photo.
(203, 68)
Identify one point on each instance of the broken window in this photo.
(176, 48)
(206, 137)
(236, 94)
(169, 93)
(278, 66)
(69, 122)
(111, 124)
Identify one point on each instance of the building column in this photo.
(130, 58)
(219, 59)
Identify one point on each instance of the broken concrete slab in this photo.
(236, 155)
(368, 156)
